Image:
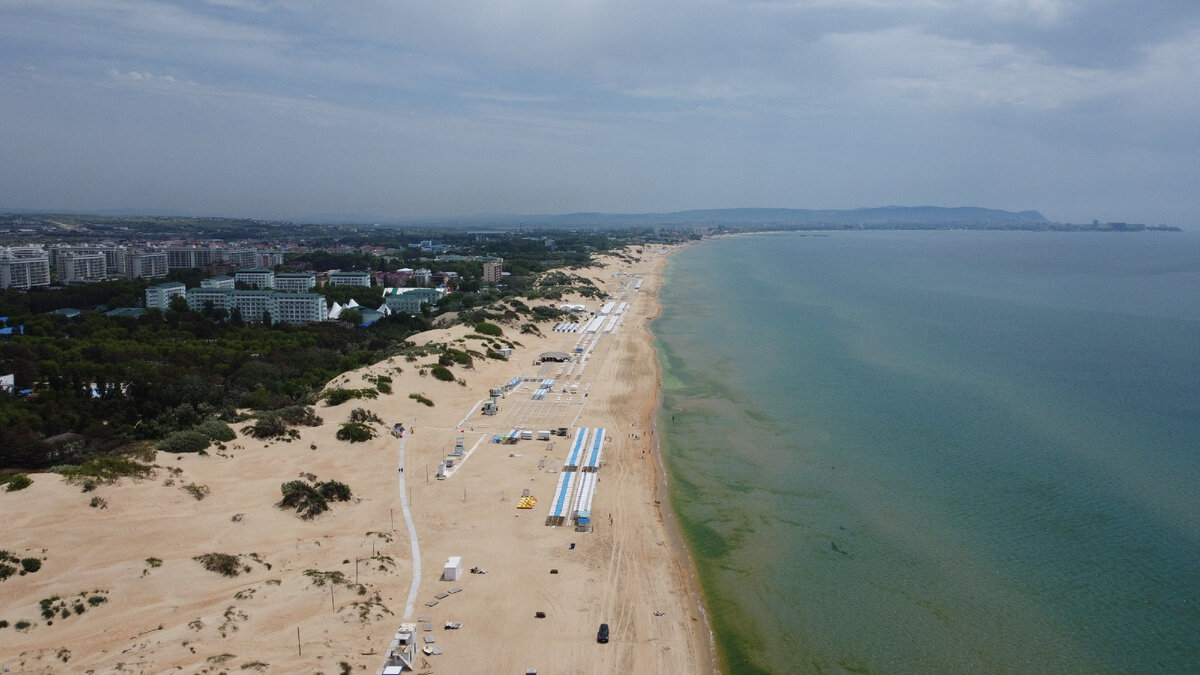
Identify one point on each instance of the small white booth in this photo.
(453, 569)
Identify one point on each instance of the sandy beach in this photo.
(287, 610)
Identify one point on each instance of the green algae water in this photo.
(939, 452)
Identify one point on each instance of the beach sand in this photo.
(175, 616)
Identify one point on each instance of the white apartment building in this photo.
(220, 298)
(188, 257)
(222, 281)
(159, 296)
(295, 282)
(114, 256)
(409, 300)
(258, 278)
(75, 268)
(252, 305)
(146, 264)
(300, 307)
(349, 278)
(24, 267)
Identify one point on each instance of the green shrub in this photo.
(363, 416)
(216, 430)
(486, 328)
(302, 497)
(453, 356)
(355, 432)
(421, 399)
(334, 490)
(9, 561)
(442, 373)
(185, 441)
(300, 415)
(269, 425)
(103, 469)
(16, 482)
(197, 491)
(221, 563)
(338, 396)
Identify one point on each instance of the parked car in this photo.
(602, 636)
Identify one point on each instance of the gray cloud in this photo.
(291, 108)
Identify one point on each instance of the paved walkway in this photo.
(412, 535)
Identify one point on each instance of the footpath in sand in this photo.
(296, 607)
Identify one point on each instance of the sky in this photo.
(387, 110)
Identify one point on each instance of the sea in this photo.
(938, 452)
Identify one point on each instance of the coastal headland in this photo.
(327, 594)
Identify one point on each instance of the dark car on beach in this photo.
(602, 636)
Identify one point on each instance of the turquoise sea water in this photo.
(939, 452)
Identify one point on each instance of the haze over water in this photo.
(939, 451)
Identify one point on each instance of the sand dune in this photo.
(274, 616)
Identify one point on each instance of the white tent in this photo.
(335, 311)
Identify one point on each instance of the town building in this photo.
(159, 296)
(254, 306)
(422, 277)
(146, 264)
(349, 278)
(74, 268)
(23, 267)
(447, 278)
(222, 281)
(295, 282)
(199, 298)
(255, 278)
(409, 300)
(492, 271)
(114, 257)
(195, 257)
(300, 307)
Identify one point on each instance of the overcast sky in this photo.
(386, 110)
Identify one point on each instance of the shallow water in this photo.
(939, 452)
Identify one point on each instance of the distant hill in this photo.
(919, 217)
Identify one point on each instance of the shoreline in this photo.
(165, 612)
(662, 490)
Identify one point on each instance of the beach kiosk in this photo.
(453, 569)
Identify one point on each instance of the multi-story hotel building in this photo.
(24, 267)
